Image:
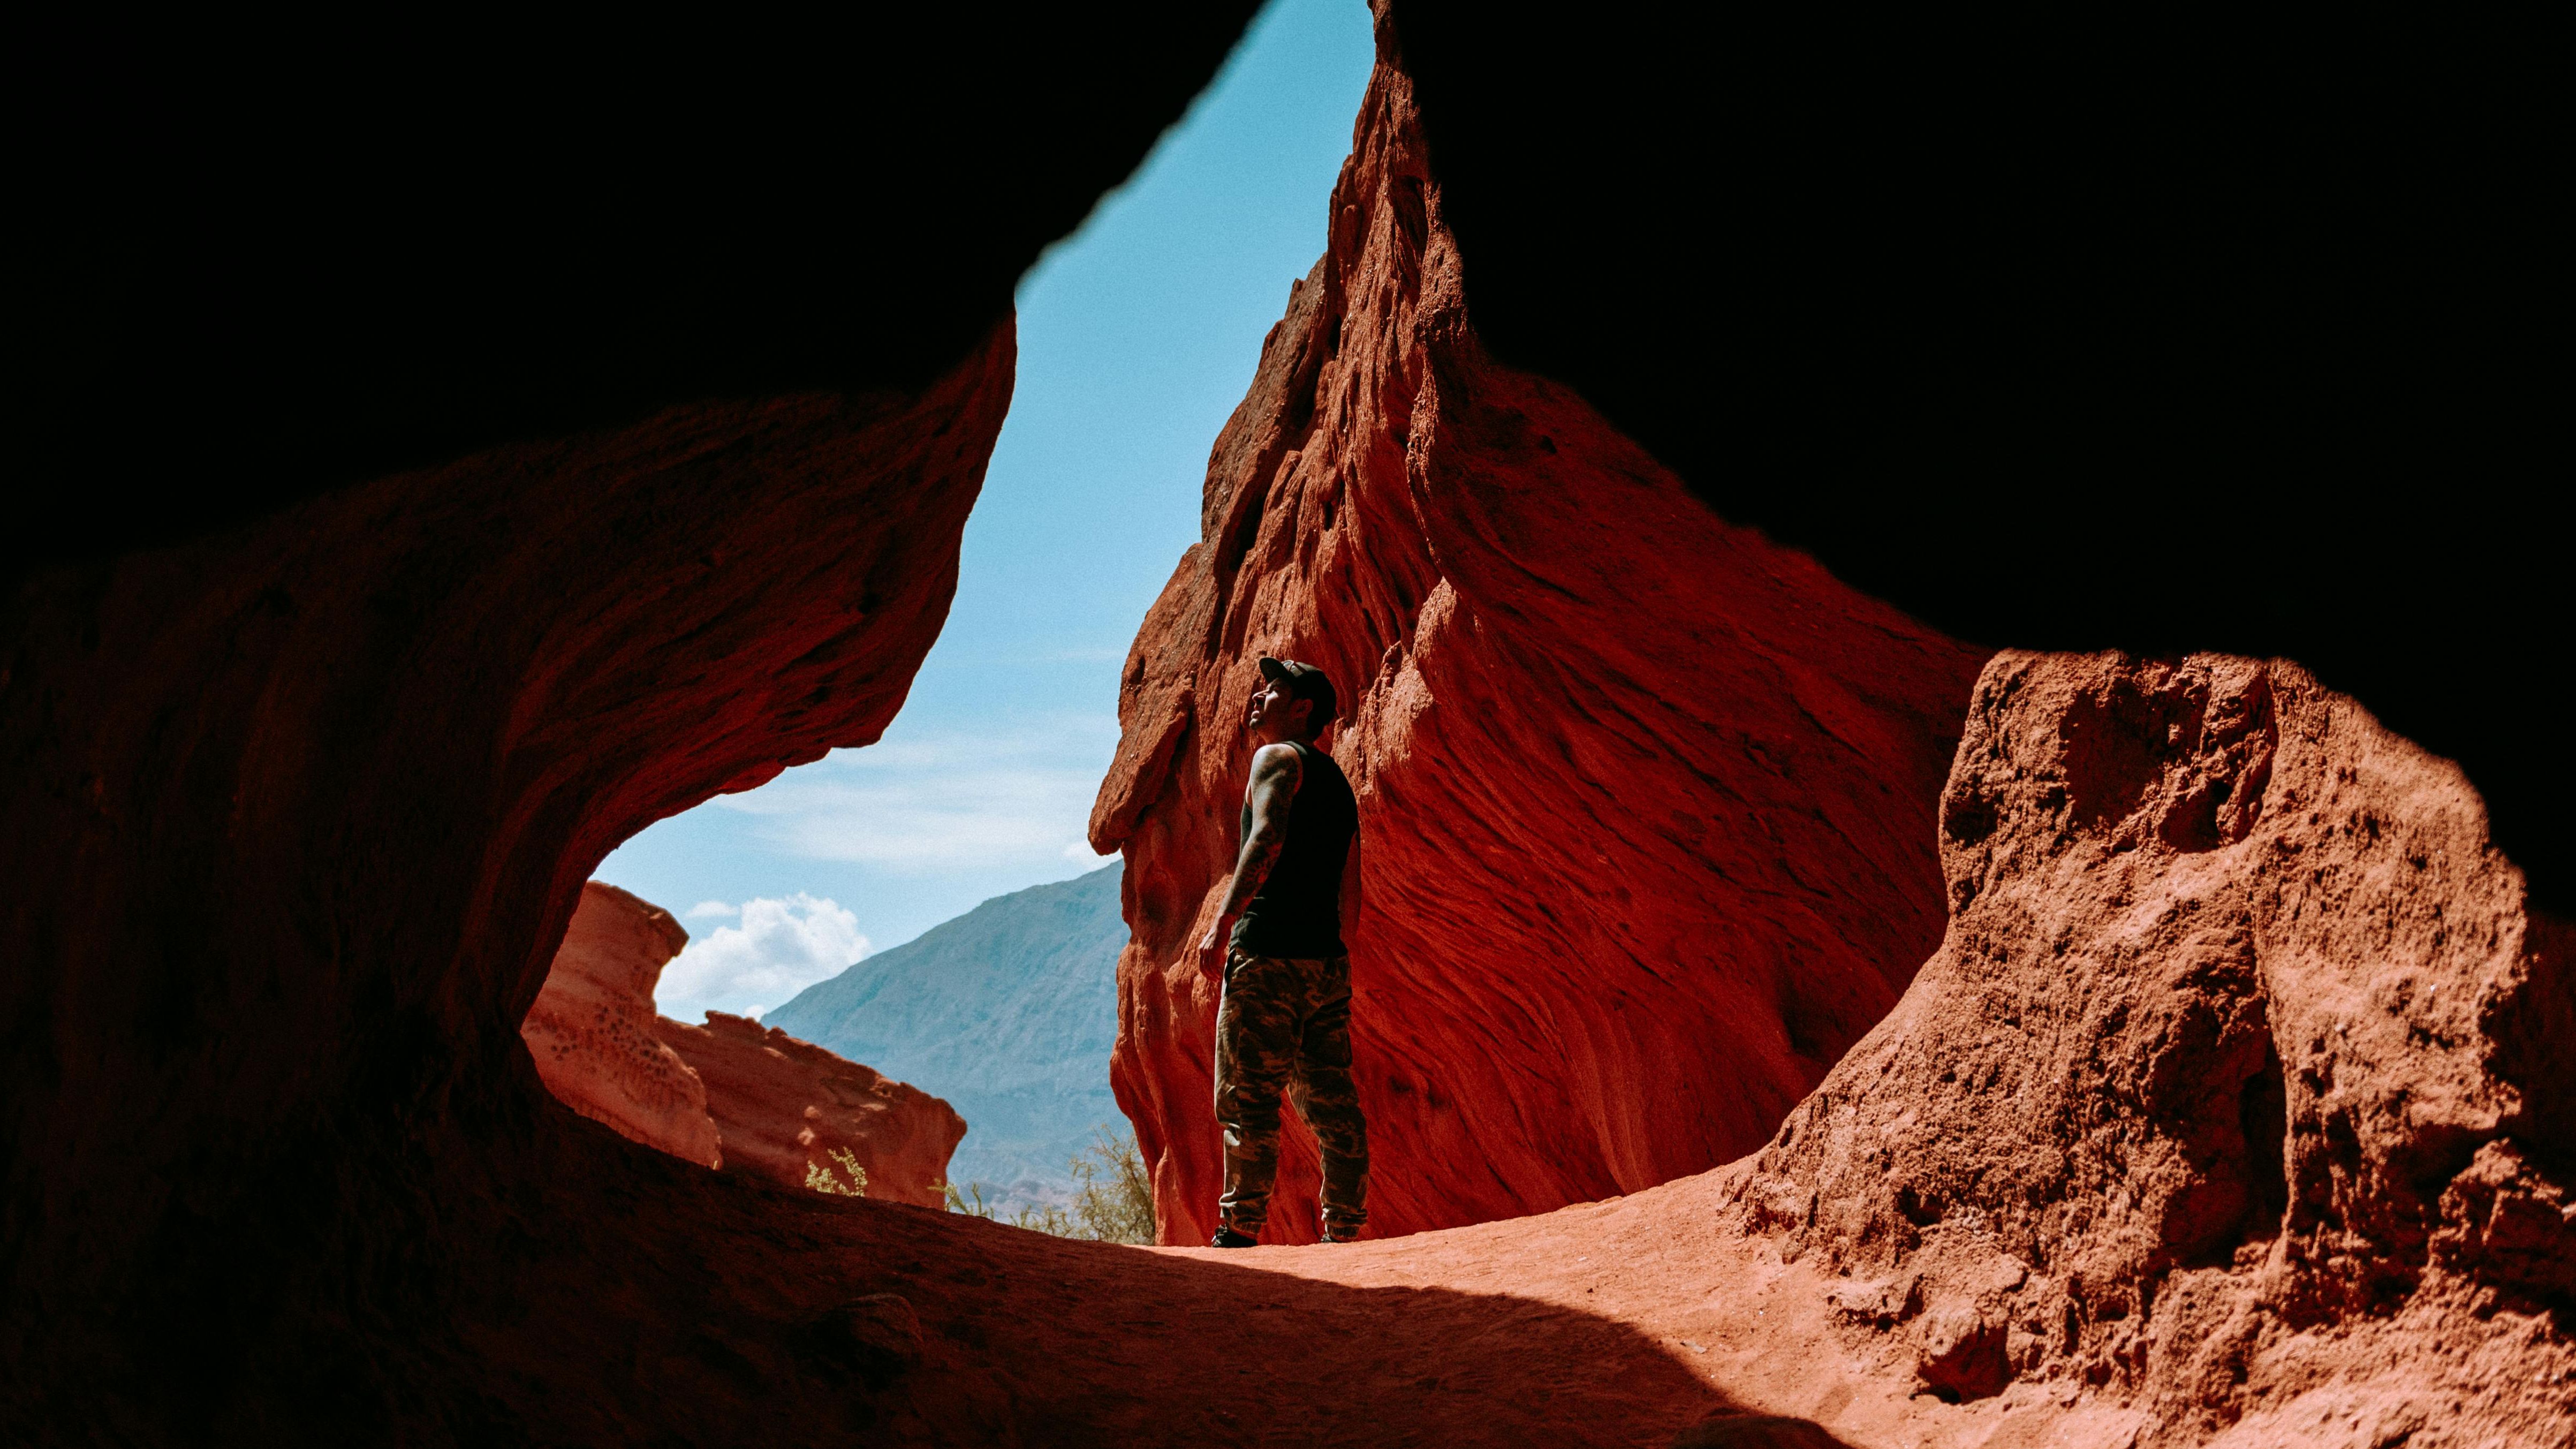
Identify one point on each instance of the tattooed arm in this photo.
(1276, 772)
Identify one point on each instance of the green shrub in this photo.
(1113, 1201)
(823, 1179)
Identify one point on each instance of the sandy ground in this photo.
(1723, 1325)
(1628, 1322)
(1603, 1324)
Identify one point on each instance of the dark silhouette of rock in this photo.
(268, 275)
(397, 538)
(1934, 303)
(1755, 1431)
(1008, 1012)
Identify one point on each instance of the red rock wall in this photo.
(303, 812)
(785, 1106)
(595, 1035)
(731, 1094)
(2238, 1076)
(1647, 804)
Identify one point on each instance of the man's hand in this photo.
(1212, 950)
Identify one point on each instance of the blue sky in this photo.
(1138, 334)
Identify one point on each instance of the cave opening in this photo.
(316, 766)
(930, 905)
(1764, 849)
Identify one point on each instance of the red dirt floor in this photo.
(1637, 1321)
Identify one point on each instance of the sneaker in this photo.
(1229, 1238)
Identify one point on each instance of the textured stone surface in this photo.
(595, 1035)
(730, 1094)
(300, 816)
(786, 1106)
(1646, 803)
(305, 784)
(2221, 1096)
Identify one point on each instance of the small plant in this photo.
(1116, 1201)
(1045, 1218)
(1113, 1201)
(823, 1179)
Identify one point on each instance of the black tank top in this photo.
(1297, 913)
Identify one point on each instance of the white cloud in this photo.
(1081, 853)
(938, 802)
(781, 947)
(712, 908)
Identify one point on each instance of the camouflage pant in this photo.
(1287, 1024)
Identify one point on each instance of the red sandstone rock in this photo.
(304, 811)
(2219, 1098)
(1647, 803)
(787, 1106)
(593, 1029)
(731, 1093)
(2222, 1116)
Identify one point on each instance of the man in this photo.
(1284, 1018)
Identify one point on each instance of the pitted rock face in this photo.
(789, 1108)
(1648, 805)
(2224, 1046)
(593, 1029)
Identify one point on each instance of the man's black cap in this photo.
(1305, 682)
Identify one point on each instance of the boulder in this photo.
(790, 1111)
(732, 1093)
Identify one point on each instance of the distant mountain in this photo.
(1008, 1012)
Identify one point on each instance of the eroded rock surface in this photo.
(788, 1107)
(2224, 1093)
(732, 1093)
(596, 1036)
(1647, 804)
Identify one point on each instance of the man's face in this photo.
(1273, 708)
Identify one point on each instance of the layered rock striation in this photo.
(343, 774)
(1647, 803)
(731, 1094)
